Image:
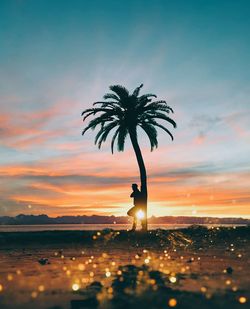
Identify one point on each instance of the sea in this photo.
(94, 227)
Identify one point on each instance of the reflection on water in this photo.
(89, 227)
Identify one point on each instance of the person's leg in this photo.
(143, 224)
(134, 224)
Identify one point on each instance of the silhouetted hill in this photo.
(44, 219)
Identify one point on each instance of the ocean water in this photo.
(90, 227)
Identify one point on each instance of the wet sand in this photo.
(209, 263)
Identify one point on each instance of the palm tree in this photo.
(124, 113)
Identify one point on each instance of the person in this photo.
(136, 195)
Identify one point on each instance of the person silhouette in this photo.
(136, 195)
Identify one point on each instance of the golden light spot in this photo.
(239, 255)
(146, 261)
(18, 272)
(85, 280)
(145, 251)
(104, 255)
(41, 288)
(34, 294)
(68, 272)
(172, 302)
(91, 274)
(1, 288)
(113, 263)
(140, 273)
(203, 289)
(62, 256)
(98, 233)
(75, 287)
(64, 268)
(119, 272)
(108, 274)
(234, 288)
(10, 277)
(110, 290)
(152, 281)
(172, 279)
(242, 300)
(228, 282)
(81, 266)
(94, 237)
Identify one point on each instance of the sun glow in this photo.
(140, 214)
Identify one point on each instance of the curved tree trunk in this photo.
(143, 174)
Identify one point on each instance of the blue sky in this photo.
(57, 57)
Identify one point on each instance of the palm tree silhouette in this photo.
(126, 112)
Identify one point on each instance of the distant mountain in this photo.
(44, 219)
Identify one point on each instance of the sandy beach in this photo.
(184, 268)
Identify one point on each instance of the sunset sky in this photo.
(58, 57)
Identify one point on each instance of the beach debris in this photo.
(229, 270)
(43, 261)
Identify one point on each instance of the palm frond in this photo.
(156, 108)
(121, 137)
(112, 105)
(156, 124)
(104, 131)
(151, 133)
(111, 96)
(121, 91)
(137, 90)
(158, 115)
(113, 140)
(93, 111)
(163, 102)
(146, 98)
(96, 121)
